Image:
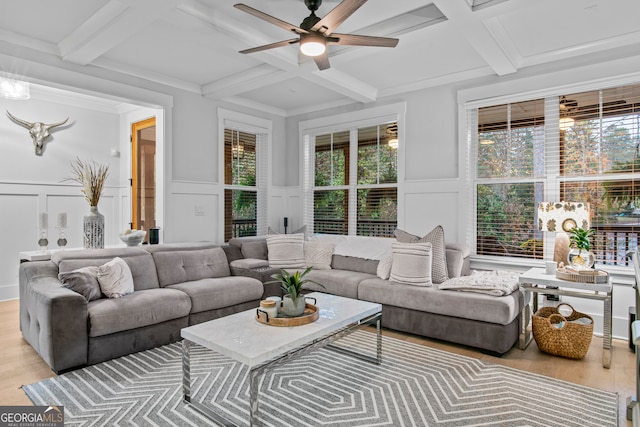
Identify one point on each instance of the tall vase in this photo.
(94, 229)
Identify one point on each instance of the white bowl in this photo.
(134, 238)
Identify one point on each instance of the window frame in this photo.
(263, 130)
(351, 122)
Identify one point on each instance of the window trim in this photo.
(308, 129)
(263, 128)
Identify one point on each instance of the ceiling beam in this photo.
(113, 24)
(460, 15)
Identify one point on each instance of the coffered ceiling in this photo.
(193, 44)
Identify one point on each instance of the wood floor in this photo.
(21, 365)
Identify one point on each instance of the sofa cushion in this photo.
(255, 249)
(220, 292)
(411, 264)
(83, 281)
(185, 266)
(108, 316)
(341, 262)
(363, 246)
(439, 272)
(286, 250)
(467, 305)
(115, 278)
(343, 283)
(249, 263)
(143, 268)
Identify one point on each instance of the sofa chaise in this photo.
(489, 323)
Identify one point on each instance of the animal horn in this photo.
(53, 125)
(19, 121)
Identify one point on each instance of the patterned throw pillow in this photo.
(303, 230)
(83, 281)
(439, 272)
(318, 254)
(286, 250)
(384, 267)
(411, 264)
(115, 278)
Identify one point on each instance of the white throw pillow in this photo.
(318, 254)
(115, 278)
(411, 264)
(286, 250)
(384, 267)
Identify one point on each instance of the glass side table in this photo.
(535, 281)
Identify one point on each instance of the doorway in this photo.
(143, 175)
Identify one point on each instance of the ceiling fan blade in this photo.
(322, 61)
(357, 40)
(271, 46)
(337, 16)
(271, 19)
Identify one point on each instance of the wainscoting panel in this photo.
(200, 217)
(19, 231)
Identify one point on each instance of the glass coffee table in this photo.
(262, 347)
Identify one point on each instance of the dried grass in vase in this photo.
(92, 176)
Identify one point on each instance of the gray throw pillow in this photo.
(411, 264)
(439, 272)
(256, 250)
(83, 281)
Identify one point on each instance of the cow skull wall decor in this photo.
(39, 131)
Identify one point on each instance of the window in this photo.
(245, 154)
(240, 196)
(575, 147)
(355, 174)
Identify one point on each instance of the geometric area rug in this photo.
(414, 386)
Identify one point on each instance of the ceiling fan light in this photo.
(312, 45)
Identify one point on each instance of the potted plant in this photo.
(580, 255)
(293, 303)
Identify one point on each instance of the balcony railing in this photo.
(244, 227)
(366, 227)
(613, 241)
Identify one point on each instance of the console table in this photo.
(535, 281)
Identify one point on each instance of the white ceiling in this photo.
(194, 44)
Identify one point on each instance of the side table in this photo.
(535, 281)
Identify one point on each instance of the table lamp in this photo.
(560, 217)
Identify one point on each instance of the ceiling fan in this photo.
(315, 33)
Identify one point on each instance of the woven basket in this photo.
(572, 340)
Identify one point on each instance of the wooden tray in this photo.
(586, 276)
(310, 314)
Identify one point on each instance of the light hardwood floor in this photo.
(22, 365)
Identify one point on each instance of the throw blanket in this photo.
(496, 283)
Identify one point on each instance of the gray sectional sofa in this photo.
(175, 286)
(489, 323)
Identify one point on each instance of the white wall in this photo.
(31, 184)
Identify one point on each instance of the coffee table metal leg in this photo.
(186, 370)
(254, 375)
(378, 342)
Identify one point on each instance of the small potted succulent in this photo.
(580, 255)
(293, 303)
